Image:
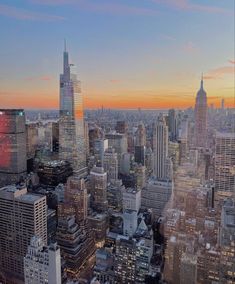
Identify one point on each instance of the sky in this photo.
(128, 53)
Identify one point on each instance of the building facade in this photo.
(12, 146)
(42, 264)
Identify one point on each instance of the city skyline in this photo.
(128, 55)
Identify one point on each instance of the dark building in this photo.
(140, 155)
(121, 127)
(51, 225)
(55, 137)
(54, 172)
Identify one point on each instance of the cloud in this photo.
(40, 78)
(190, 47)
(218, 73)
(114, 81)
(232, 61)
(100, 7)
(187, 5)
(168, 37)
(22, 14)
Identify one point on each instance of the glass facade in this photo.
(71, 128)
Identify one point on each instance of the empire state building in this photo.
(201, 117)
(71, 126)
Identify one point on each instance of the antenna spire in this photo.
(65, 46)
(202, 81)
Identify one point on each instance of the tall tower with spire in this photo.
(71, 128)
(201, 117)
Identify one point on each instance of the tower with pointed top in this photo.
(201, 117)
(71, 128)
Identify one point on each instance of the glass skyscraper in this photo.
(71, 128)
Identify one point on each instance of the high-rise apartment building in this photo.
(71, 128)
(225, 162)
(201, 118)
(22, 215)
(160, 148)
(12, 146)
(42, 264)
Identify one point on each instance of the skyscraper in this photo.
(12, 146)
(172, 124)
(160, 148)
(225, 162)
(201, 117)
(22, 215)
(140, 144)
(111, 164)
(42, 264)
(99, 189)
(71, 129)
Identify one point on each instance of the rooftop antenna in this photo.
(65, 47)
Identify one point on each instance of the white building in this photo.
(155, 195)
(100, 146)
(42, 264)
(129, 222)
(131, 199)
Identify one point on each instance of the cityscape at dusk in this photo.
(117, 142)
(129, 54)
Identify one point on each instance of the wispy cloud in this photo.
(168, 37)
(187, 5)
(115, 81)
(219, 72)
(100, 7)
(40, 78)
(232, 61)
(190, 47)
(22, 14)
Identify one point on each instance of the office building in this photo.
(201, 118)
(225, 162)
(42, 264)
(121, 127)
(75, 243)
(131, 199)
(110, 164)
(54, 172)
(119, 143)
(98, 189)
(12, 146)
(160, 148)
(155, 195)
(71, 125)
(172, 124)
(100, 146)
(22, 216)
(140, 144)
(125, 259)
(75, 200)
(188, 269)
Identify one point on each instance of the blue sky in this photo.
(126, 51)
